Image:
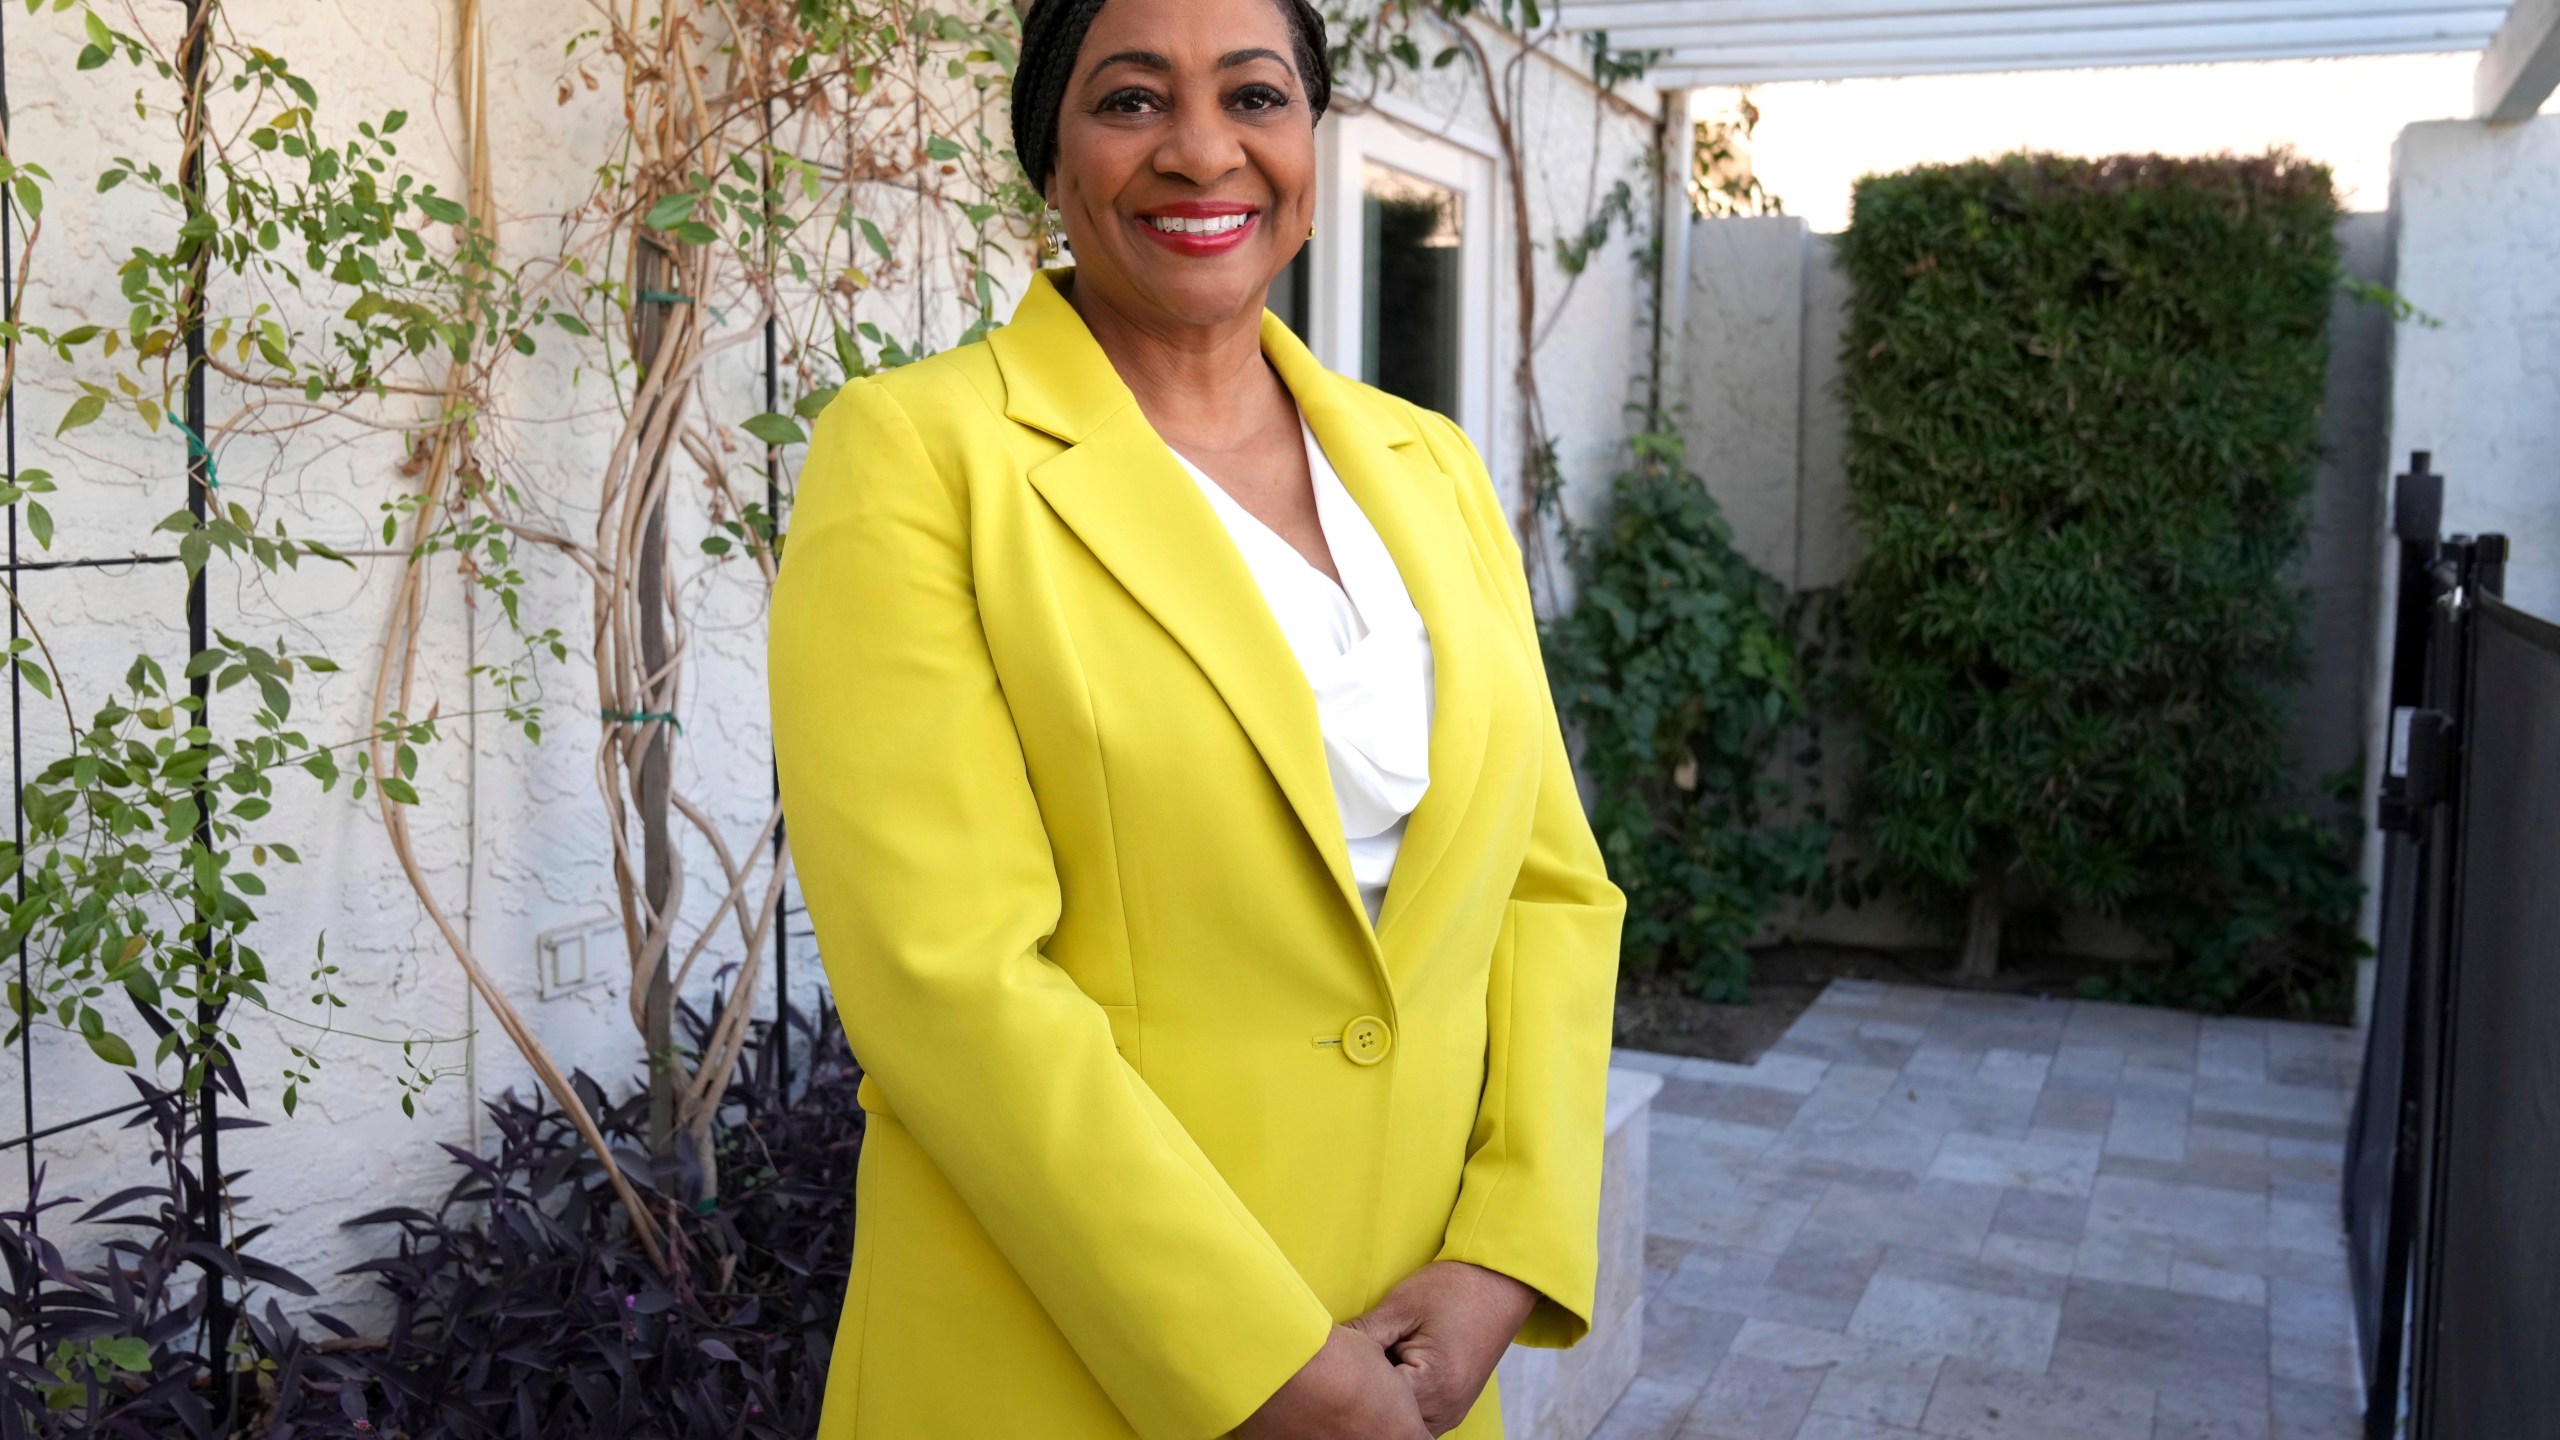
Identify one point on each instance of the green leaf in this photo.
(83, 411)
(671, 210)
(397, 788)
(444, 212)
(776, 430)
(111, 1048)
(40, 522)
(35, 676)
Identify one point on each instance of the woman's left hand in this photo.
(1446, 1327)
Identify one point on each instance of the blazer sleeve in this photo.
(928, 873)
(1529, 1198)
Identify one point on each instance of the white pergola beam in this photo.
(2522, 63)
(2065, 24)
(1683, 75)
(1613, 15)
(2143, 46)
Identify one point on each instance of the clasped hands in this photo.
(1412, 1367)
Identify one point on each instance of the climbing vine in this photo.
(778, 166)
(779, 162)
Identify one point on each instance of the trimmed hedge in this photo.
(2084, 401)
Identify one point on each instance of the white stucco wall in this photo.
(2477, 209)
(512, 832)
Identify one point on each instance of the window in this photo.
(1396, 288)
(1411, 286)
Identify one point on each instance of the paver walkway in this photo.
(1930, 1213)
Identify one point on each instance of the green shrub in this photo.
(2084, 403)
(2261, 924)
(1674, 671)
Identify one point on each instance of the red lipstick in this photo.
(1207, 227)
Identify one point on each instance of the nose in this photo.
(1202, 145)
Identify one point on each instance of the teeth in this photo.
(1216, 225)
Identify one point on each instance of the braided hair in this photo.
(1054, 31)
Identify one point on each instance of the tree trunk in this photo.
(656, 844)
(1981, 958)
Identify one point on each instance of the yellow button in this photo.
(1365, 1040)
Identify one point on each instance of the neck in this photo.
(1190, 380)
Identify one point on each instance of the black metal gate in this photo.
(2452, 1189)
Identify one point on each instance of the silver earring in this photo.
(1050, 228)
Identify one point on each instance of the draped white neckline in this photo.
(1365, 653)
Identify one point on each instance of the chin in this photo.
(1198, 293)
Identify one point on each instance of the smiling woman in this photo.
(1190, 840)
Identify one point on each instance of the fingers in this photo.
(1390, 1324)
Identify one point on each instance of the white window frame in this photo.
(1397, 134)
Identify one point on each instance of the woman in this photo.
(1174, 788)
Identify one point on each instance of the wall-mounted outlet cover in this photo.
(577, 956)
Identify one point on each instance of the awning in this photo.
(1754, 42)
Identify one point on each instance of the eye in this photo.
(1128, 100)
(1260, 97)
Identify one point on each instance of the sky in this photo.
(1816, 138)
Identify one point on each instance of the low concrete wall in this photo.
(1564, 1394)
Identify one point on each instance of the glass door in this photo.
(1412, 286)
(1396, 288)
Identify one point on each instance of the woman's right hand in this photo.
(1349, 1391)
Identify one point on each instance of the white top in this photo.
(1365, 653)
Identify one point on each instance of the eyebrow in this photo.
(1150, 60)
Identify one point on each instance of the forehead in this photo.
(1186, 32)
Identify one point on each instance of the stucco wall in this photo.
(511, 833)
(2475, 378)
(2478, 210)
(1759, 366)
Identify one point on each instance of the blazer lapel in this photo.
(1121, 490)
(1386, 467)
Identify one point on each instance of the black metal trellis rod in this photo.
(773, 517)
(218, 1318)
(191, 183)
(17, 726)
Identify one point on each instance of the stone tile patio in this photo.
(1930, 1213)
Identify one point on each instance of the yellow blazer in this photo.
(1152, 1106)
